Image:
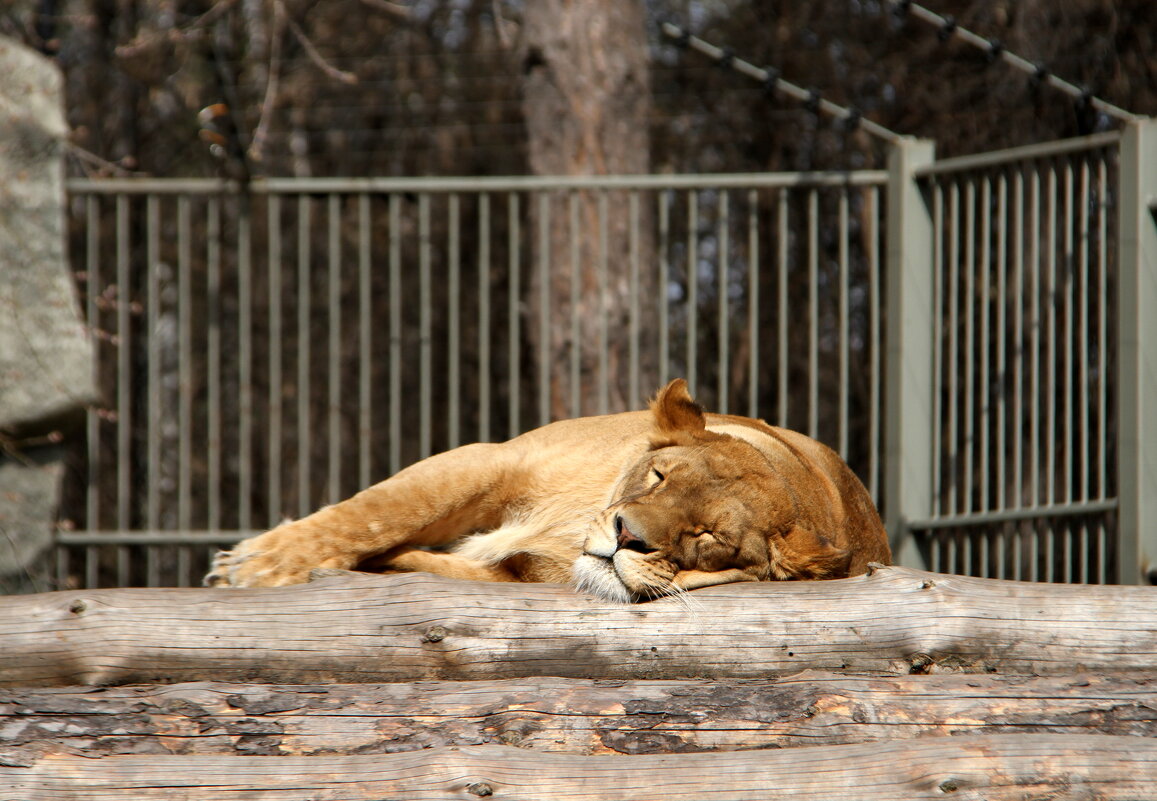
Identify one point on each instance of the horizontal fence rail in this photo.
(266, 350)
(1024, 392)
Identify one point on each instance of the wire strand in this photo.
(771, 80)
(947, 28)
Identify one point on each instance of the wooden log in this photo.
(992, 768)
(563, 715)
(417, 626)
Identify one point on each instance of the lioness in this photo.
(628, 506)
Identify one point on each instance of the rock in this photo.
(45, 352)
(46, 355)
(29, 496)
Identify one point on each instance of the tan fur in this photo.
(628, 506)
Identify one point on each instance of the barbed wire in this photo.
(773, 81)
(947, 28)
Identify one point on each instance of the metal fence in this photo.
(1023, 399)
(951, 328)
(267, 352)
(1039, 404)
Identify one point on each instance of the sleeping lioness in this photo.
(628, 506)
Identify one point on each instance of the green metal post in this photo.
(909, 375)
(1137, 361)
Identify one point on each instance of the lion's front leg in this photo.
(432, 502)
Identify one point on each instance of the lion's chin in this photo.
(596, 575)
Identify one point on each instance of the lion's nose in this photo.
(627, 538)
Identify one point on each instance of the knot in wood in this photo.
(949, 786)
(480, 789)
(919, 663)
(434, 634)
(77, 606)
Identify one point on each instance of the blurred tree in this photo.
(586, 103)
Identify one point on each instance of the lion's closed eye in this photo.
(655, 477)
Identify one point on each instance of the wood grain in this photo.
(563, 715)
(993, 768)
(416, 626)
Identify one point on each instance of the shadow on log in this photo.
(415, 626)
(991, 768)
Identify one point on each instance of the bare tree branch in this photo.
(314, 56)
(271, 87)
(395, 10)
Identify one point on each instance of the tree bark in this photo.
(417, 626)
(586, 101)
(991, 768)
(573, 716)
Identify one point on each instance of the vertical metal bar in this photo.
(395, 425)
(124, 367)
(1137, 360)
(1018, 341)
(1069, 388)
(153, 387)
(334, 329)
(1051, 337)
(634, 389)
(874, 313)
(753, 303)
(544, 327)
(953, 361)
(692, 289)
(1083, 341)
(92, 414)
(967, 504)
(153, 346)
(1001, 344)
(911, 334)
(425, 343)
(604, 304)
(1067, 548)
(454, 326)
(1102, 346)
(784, 238)
(576, 339)
(1035, 299)
(366, 343)
(245, 366)
(304, 340)
(844, 340)
(484, 370)
(185, 424)
(813, 312)
(986, 394)
(214, 357)
(274, 401)
(936, 335)
(513, 301)
(664, 277)
(723, 242)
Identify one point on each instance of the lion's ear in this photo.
(675, 411)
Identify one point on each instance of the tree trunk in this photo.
(586, 102)
(991, 768)
(575, 716)
(416, 626)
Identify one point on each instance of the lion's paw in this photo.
(276, 558)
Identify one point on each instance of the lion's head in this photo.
(733, 501)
